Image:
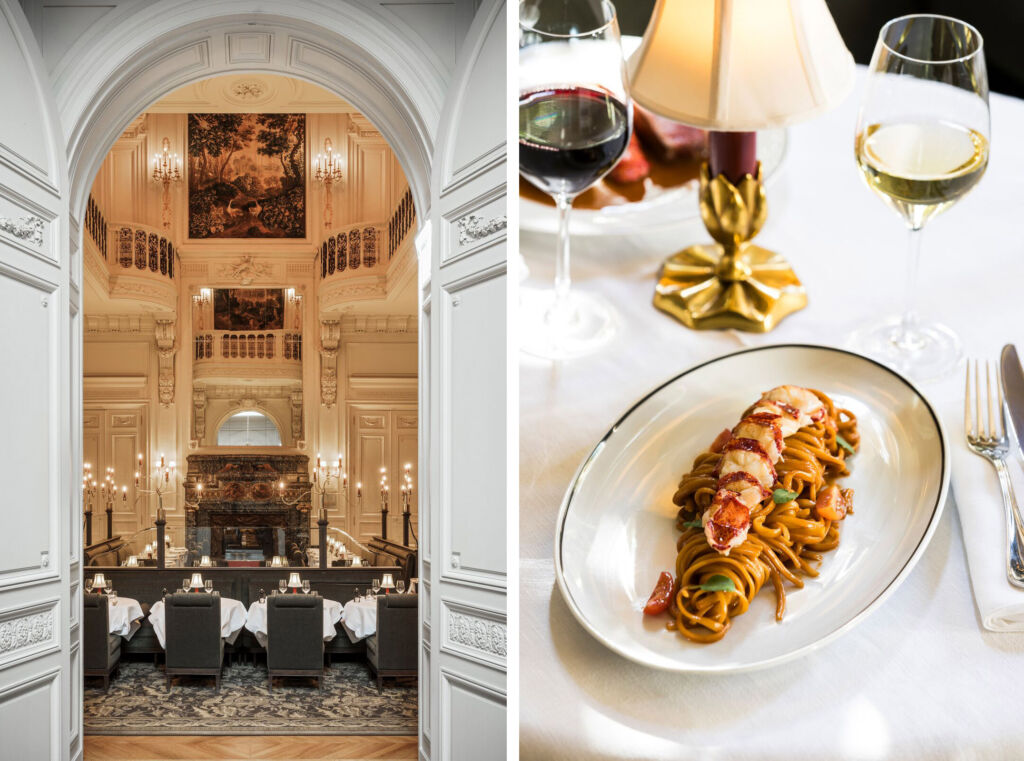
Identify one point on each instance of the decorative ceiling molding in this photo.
(384, 323)
(245, 270)
(128, 324)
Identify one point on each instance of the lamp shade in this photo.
(277, 562)
(294, 582)
(205, 562)
(740, 65)
(197, 581)
(132, 561)
(387, 581)
(98, 581)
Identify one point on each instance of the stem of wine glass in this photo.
(907, 338)
(560, 311)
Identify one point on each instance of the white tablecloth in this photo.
(920, 678)
(360, 618)
(124, 616)
(256, 620)
(232, 619)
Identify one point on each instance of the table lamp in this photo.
(294, 582)
(277, 562)
(132, 561)
(387, 582)
(205, 562)
(99, 581)
(197, 581)
(732, 67)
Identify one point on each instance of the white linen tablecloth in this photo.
(256, 620)
(124, 616)
(920, 678)
(359, 618)
(232, 619)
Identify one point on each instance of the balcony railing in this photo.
(143, 248)
(96, 226)
(401, 222)
(275, 345)
(351, 248)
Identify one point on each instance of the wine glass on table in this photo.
(356, 597)
(184, 585)
(109, 586)
(282, 585)
(400, 586)
(113, 597)
(208, 585)
(575, 121)
(376, 587)
(922, 143)
(88, 585)
(305, 586)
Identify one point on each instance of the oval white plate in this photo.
(616, 528)
(675, 206)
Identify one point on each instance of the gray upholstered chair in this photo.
(393, 650)
(295, 637)
(193, 646)
(101, 649)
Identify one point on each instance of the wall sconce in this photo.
(166, 169)
(327, 171)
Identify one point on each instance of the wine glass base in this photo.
(583, 324)
(929, 353)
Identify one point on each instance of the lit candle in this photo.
(161, 459)
(136, 478)
(280, 486)
(124, 493)
(359, 488)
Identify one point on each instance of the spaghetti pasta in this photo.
(786, 538)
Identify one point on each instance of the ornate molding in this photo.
(369, 324)
(245, 270)
(199, 413)
(118, 323)
(473, 227)
(248, 90)
(164, 333)
(330, 341)
(246, 401)
(296, 409)
(30, 631)
(28, 228)
(234, 392)
(482, 634)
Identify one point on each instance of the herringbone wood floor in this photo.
(351, 748)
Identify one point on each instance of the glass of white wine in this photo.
(922, 143)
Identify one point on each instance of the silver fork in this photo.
(989, 440)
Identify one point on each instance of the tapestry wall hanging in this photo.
(248, 309)
(247, 175)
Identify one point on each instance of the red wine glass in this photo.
(575, 121)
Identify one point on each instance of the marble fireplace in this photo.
(240, 514)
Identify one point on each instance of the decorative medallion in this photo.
(28, 228)
(473, 228)
(248, 90)
(478, 633)
(25, 632)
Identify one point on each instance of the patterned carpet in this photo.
(138, 704)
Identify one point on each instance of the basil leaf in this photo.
(845, 444)
(718, 583)
(695, 523)
(782, 496)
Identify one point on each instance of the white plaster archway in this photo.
(140, 56)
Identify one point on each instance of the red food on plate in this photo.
(661, 596)
(633, 166)
(665, 139)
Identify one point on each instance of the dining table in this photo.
(232, 619)
(124, 616)
(359, 618)
(256, 620)
(920, 677)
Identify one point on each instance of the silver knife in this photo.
(1012, 376)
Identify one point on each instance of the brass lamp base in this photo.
(732, 283)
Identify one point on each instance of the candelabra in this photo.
(162, 480)
(320, 486)
(166, 169)
(385, 502)
(106, 490)
(406, 503)
(327, 171)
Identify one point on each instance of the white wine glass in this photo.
(184, 585)
(305, 586)
(282, 585)
(400, 586)
(208, 584)
(575, 122)
(922, 143)
(376, 587)
(88, 585)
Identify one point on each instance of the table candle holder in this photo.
(731, 283)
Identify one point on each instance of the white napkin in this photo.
(979, 502)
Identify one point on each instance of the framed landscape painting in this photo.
(246, 176)
(248, 309)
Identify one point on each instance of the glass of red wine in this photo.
(575, 121)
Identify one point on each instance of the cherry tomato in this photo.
(661, 596)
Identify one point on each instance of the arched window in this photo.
(248, 429)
